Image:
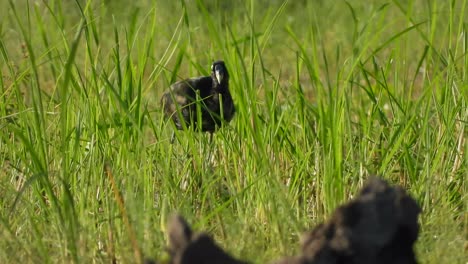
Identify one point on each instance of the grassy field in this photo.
(327, 93)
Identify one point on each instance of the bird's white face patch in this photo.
(219, 76)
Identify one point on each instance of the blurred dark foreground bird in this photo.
(209, 94)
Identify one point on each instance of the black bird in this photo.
(214, 100)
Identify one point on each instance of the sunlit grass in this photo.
(326, 95)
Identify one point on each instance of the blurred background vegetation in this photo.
(327, 93)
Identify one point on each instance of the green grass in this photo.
(327, 93)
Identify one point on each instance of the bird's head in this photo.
(219, 73)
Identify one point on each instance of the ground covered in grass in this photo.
(327, 93)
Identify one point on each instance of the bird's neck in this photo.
(220, 87)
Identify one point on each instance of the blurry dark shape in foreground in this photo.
(379, 226)
(188, 247)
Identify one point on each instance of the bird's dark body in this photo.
(182, 97)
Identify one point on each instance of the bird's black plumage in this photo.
(214, 100)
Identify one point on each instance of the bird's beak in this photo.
(219, 75)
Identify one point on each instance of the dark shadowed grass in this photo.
(326, 95)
